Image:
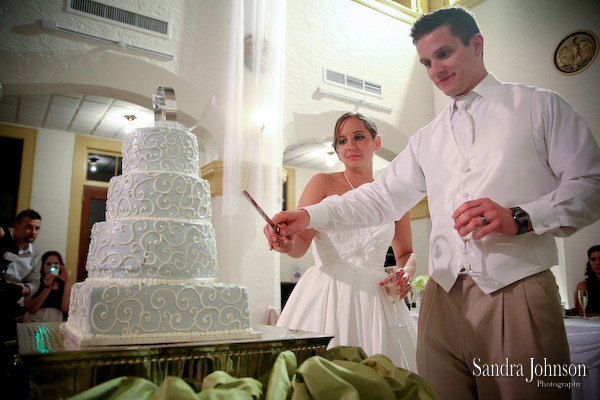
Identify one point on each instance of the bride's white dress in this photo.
(341, 296)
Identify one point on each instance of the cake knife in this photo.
(261, 212)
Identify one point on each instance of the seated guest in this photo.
(591, 284)
(51, 301)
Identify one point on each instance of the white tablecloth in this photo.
(584, 344)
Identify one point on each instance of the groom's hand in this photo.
(289, 222)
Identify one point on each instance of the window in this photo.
(102, 167)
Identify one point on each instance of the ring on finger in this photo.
(484, 220)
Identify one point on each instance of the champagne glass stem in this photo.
(397, 323)
(582, 298)
(395, 313)
(468, 257)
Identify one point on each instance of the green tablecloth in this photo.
(342, 373)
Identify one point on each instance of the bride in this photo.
(341, 294)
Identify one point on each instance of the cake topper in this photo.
(165, 107)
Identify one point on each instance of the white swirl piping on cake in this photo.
(151, 249)
(158, 196)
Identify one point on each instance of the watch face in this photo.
(520, 214)
(522, 218)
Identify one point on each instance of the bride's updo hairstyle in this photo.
(369, 123)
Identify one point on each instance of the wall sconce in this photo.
(93, 164)
(249, 52)
(330, 160)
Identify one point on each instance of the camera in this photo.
(55, 269)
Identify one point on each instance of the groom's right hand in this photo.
(289, 222)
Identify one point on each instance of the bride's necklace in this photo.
(348, 181)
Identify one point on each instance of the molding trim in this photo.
(213, 173)
(421, 210)
(83, 146)
(405, 14)
(392, 9)
(289, 179)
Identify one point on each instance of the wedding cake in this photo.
(152, 264)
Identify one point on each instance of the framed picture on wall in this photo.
(575, 52)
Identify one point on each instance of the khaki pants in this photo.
(476, 346)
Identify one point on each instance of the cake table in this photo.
(59, 368)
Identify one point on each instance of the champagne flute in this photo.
(391, 291)
(458, 201)
(582, 295)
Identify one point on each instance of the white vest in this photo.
(502, 165)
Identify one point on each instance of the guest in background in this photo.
(10, 294)
(25, 272)
(341, 295)
(591, 284)
(51, 302)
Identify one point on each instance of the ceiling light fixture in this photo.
(129, 117)
(93, 164)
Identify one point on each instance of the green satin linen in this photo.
(347, 373)
(223, 381)
(342, 373)
(280, 378)
(122, 388)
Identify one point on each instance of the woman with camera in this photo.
(51, 301)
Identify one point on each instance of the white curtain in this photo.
(252, 154)
(253, 133)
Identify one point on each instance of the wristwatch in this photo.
(522, 218)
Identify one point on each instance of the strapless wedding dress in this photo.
(341, 296)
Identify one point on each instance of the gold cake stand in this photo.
(59, 368)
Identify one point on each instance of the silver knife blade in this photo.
(260, 211)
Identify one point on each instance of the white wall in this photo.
(50, 195)
(350, 38)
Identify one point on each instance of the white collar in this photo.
(486, 88)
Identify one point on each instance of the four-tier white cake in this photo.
(152, 264)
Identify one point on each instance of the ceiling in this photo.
(82, 114)
(106, 117)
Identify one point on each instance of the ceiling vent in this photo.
(130, 19)
(350, 82)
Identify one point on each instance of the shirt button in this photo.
(546, 225)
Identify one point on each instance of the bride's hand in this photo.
(400, 279)
(282, 244)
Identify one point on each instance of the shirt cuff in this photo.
(543, 218)
(319, 216)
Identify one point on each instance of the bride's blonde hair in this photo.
(369, 123)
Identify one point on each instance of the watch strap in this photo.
(522, 218)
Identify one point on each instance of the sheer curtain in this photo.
(252, 154)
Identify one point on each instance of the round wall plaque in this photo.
(575, 52)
